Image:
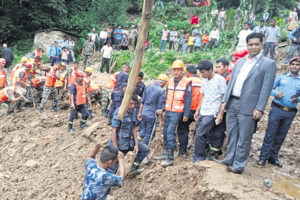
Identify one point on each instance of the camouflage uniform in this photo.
(88, 51)
(96, 96)
(46, 93)
(105, 99)
(61, 94)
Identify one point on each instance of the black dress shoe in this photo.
(261, 162)
(222, 162)
(275, 162)
(233, 170)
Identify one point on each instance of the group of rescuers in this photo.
(185, 99)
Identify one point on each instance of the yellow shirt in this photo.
(191, 40)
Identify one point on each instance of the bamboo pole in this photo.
(138, 59)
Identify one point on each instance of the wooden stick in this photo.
(113, 65)
(138, 59)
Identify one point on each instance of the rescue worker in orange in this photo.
(61, 85)
(78, 99)
(93, 89)
(183, 128)
(72, 73)
(178, 107)
(3, 74)
(24, 60)
(38, 84)
(49, 88)
(8, 96)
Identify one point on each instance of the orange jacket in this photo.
(3, 78)
(16, 78)
(175, 95)
(72, 77)
(35, 81)
(13, 71)
(111, 84)
(50, 78)
(92, 87)
(81, 93)
(205, 39)
(196, 92)
(3, 95)
(38, 53)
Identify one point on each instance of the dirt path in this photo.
(41, 160)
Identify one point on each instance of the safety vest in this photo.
(13, 71)
(50, 78)
(3, 77)
(37, 80)
(92, 87)
(227, 77)
(3, 95)
(61, 81)
(175, 95)
(196, 92)
(72, 78)
(16, 78)
(80, 93)
(38, 53)
(111, 84)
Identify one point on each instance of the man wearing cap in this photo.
(3, 74)
(183, 128)
(178, 105)
(286, 90)
(122, 76)
(164, 38)
(116, 100)
(54, 52)
(152, 106)
(88, 51)
(49, 87)
(79, 99)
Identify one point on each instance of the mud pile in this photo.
(41, 160)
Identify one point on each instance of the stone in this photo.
(91, 129)
(28, 147)
(32, 163)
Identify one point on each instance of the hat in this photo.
(2, 61)
(192, 69)
(80, 74)
(89, 69)
(177, 64)
(163, 77)
(297, 59)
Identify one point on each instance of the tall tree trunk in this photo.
(138, 59)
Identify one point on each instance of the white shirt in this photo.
(213, 91)
(94, 36)
(293, 15)
(242, 39)
(107, 51)
(222, 14)
(244, 71)
(214, 34)
(103, 34)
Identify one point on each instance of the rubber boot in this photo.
(82, 124)
(162, 156)
(213, 154)
(135, 169)
(170, 158)
(91, 114)
(182, 152)
(42, 111)
(108, 121)
(70, 129)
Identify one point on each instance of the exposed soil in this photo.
(41, 160)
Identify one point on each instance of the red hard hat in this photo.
(29, 65)
(79, 74)
(2, 61)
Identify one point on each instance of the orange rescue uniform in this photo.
(50, 78)
(196, 92)
(111, 84)
(3, 78)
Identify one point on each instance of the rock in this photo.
(11, 152)
(16, 139)
(3, 176)
(28, 147)
(91, 129)
(32, 163)
(34, 123)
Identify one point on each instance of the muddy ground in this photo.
(41, 160)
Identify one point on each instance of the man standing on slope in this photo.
(245, 101)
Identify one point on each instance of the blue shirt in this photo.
(124, 128)
(260, 29)
(272, 34)
(197, 41)
(54, 51)
(97, 182)
(139, 89)
(181, 39)
(154, 99)
(291, 34)
(289, 86)
(121, 78)
(118, 34)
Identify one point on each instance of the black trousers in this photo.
(183, 131)
(105, 62)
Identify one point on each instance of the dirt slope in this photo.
(41, 160)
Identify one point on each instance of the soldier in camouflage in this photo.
(88, 51)
(105, 101)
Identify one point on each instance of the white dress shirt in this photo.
(107, 51)
(244, 71)
(214, 34)
(103, 35)
(242, 39)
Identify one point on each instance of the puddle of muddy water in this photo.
(287, 185)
